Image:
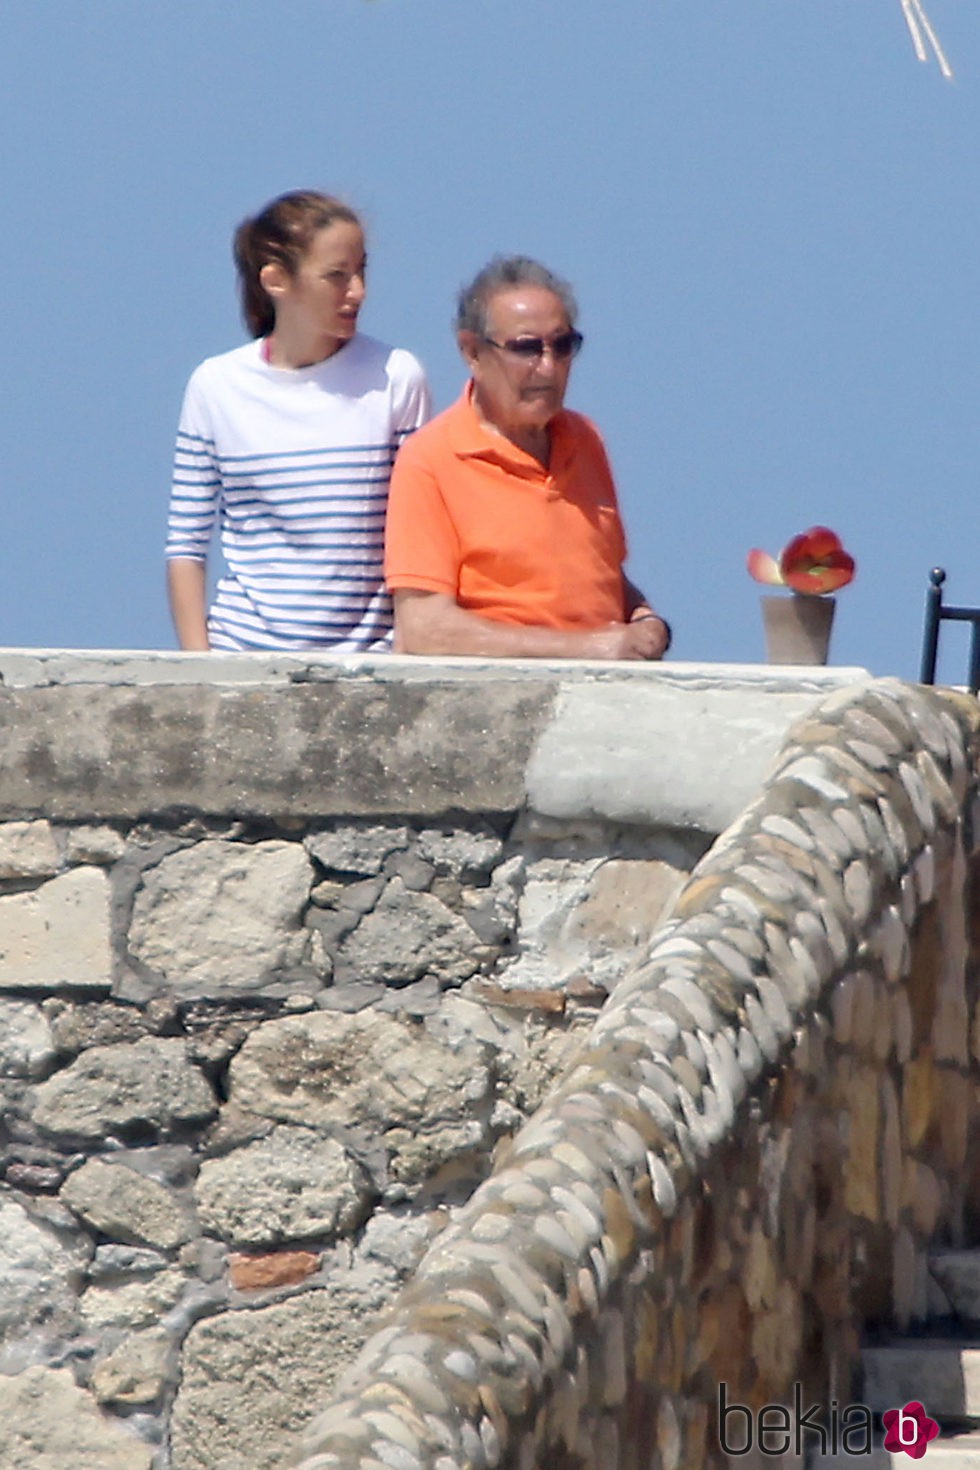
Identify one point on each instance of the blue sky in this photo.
(769, 209)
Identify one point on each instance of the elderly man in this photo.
(503, 535)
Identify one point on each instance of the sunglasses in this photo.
(566, 344)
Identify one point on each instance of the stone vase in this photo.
(798, 628)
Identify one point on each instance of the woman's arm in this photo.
(186, 587)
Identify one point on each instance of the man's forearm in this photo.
(430, 623)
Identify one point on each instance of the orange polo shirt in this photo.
(471, 514)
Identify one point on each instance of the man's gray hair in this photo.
(502, 274)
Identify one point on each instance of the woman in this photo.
(288, 443)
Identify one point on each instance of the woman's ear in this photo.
(273, 278)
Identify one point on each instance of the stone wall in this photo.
(288, 960)
(284, 957)
(773, 1116)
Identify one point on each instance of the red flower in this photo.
(813, 562)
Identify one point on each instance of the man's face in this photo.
(518, 395)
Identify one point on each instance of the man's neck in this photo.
(535, 442)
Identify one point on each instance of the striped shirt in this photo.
(293, 465)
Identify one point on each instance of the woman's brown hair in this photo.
(282, 232)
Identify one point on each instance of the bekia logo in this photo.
(909, 1429)
(777, 1429)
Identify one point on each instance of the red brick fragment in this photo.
(277, 1268)
(521, 1000)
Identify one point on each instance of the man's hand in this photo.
(647, 638)
(638, 610)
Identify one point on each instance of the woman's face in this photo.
(326, 293)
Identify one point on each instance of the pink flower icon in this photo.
(909, 1429)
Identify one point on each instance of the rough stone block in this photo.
(220, 918)
(460, 853)
(945, 1376)
(292, 1185)
(138, 1372)
(333, 1072)
(49, 1424)
(93, 844)
(349, 849)
(57, 936)
(28, 850)
(26, 1041)
(126, 1206)
(149, 1086)
(958, 1273)
(230, 1410)
(132, 1304)
(408, 935)
(36, 1268)
(623, 903)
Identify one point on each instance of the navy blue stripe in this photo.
(288, 512)
(267, 582)
(311, 553)
(329, 609)
(249, 533)
(252, 482)
(234, 618)
(368, 474)
(366, 554)
(380, 446)
(224, 642)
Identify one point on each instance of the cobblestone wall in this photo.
(774, 1114)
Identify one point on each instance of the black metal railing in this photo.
(938, 612)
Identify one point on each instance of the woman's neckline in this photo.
(265, 353)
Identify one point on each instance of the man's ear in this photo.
(469, 345)
(273, 278)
